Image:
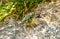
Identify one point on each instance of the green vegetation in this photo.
(22, 10)
(17, 8)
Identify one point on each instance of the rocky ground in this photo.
(47, 24)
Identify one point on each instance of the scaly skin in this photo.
(28, 16)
